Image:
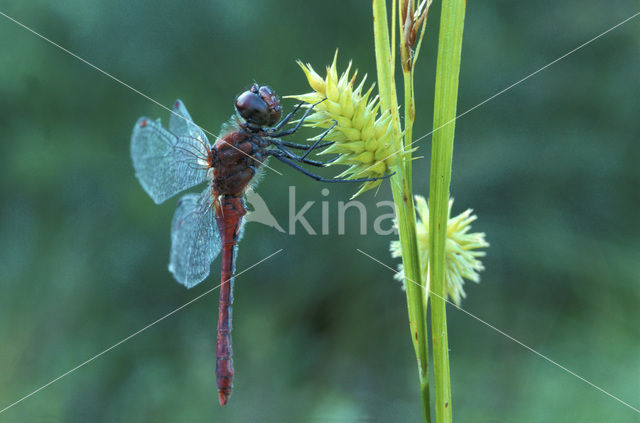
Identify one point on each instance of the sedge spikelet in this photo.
(462, 258)
(362, 136)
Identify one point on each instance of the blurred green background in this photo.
(550, 167)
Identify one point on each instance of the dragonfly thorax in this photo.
(235, 159)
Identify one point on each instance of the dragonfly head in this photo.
(259, 106)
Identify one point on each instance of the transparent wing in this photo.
(169, 161)
(181, 124)
(195, 240)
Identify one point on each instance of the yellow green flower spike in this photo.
(461, 250)
(362, 135)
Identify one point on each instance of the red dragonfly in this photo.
(169, 161)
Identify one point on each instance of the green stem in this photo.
(409, 119)
(409, 114)
(403, 199)
(446, 94)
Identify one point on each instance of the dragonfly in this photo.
(205, 225)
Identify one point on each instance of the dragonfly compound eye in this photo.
(253, 108)
(269, 97)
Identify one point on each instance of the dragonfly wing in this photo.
(180, 123)
(167, 163)
(195, 240)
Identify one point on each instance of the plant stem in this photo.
(409, 118)
(446, 94)
(403, 199)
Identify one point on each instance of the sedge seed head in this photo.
(462, 250)
(362, 135)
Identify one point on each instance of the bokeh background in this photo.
(320, 331)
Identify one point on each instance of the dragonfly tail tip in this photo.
(224, 397)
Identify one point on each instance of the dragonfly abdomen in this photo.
(229, 219)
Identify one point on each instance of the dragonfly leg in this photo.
(283, 152)
(302, 146)
(287, 118)
(320, 138)
(275, 134)
(309, 148)
(319, 178)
